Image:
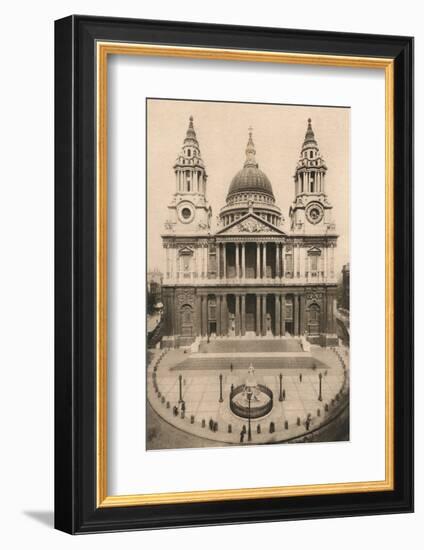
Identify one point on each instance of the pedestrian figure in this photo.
(243, 429)
(183, 407)
(211, 424)
(284, 395)
(231, 367)
(300, 377)
(232, 388)
(242, 436)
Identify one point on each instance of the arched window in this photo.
(311, 154)
(188, 152)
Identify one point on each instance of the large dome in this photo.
(250, 180)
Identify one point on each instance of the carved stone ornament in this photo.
(185, 297)
(314, 296)
(251, 226)
(169, 226)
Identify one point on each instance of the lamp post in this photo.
(220, 389)
(180, 379)
(320, 387)
(249, 430)
(281, 388)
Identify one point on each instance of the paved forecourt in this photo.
(298, 405)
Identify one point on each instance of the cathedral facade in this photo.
(250, 277)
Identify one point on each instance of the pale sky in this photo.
(222, 132)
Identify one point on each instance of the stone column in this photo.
(282, 260)
(264, 260)
(218, 315)
(258, 260)
(243, 261)
(204, 315)
(302, 314)
(218, 261)
(198, 315)
(258, 314)
(296, 315)
(277, 260)
(264, 315)
(277, 322)
(224, 316)
(283, 314)
(237, 261)
(330, 314)
(224, 260)
(298, 261)
(243, 314)
(237, 327)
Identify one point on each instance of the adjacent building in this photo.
(345, 298)
(254, 275)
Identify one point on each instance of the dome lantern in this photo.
(250, 191)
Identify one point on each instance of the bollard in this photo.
(326, 407)
(192, 419)
(215, 427)
(271, 427)
(162, 399)
(298, 421)
(168, 404)
(258, 429)
(286, 425)
(230, 429)
(203, 423)
(318, 412)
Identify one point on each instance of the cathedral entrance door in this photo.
(268, 323)
(313, 319)
(250, 313)
(186, 318)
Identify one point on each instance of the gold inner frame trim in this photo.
(104, 49)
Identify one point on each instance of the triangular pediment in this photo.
(185, 251)
(314, 250)
(250, 224)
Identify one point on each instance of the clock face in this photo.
(314, 213)
(186, 212)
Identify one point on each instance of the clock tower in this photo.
(311, 210)
(189, 211)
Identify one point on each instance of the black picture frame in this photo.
(76, 508)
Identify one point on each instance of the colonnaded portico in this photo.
(251, 277)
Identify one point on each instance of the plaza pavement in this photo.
(201, 392)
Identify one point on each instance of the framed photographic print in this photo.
(233, 274)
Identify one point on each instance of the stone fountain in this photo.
(251, 399)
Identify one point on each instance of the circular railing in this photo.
(256, 411)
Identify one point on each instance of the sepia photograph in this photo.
(248, 273)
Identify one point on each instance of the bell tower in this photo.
(189, 210)
(311, 209)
